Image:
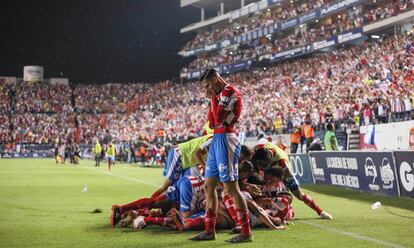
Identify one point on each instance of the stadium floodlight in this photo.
(375, 36)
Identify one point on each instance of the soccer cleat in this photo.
(203, 236)
(176, 219)
(115, 216)
(240, 239)
(236, 229)
(326, 216)
(138, 223)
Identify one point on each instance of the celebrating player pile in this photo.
(221, 194)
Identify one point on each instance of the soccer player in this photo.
(223, 155)
(62, 153)
(57, 158)
(110, 154)
(277, 192)
(97, 152)
(182, 161)
(188, 192)
(269, 155)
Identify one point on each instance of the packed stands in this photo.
(353, 85)
(364, 84)
(307, 34)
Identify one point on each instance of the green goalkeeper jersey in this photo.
(188, 150)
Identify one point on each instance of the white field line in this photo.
(120, 176)
(329, 229)
(353, 235)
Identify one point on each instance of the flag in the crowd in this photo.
(369, 137)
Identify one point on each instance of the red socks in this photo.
(143, 202)
(157, 221)
(244, 219)
(311, 203)
(196, 223)
(210, 221)
(155, 194)
(228, 202)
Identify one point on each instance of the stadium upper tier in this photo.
(284, 10)
(326, 32)
(364, 84)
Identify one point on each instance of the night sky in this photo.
(95, 40)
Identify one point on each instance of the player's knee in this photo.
(208, 188)
(299, 195)
(232, 191)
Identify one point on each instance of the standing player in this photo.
(223, 156)
(62, 153)
(269, 155)
(57, 158)
(110, 154)
(97, 151)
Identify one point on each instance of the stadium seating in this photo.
(359, 85)
(284, 12)
(292, 38)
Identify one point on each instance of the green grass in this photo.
(42, 205)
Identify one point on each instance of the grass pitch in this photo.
(45, 205)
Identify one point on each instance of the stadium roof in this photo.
(215, 4)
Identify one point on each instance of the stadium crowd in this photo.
(307, 34)
(264, 18)
(363, 85)
(379, 10)
(359, 85)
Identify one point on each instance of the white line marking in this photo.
(353, 235)
(120, 176)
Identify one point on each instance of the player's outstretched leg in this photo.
(141, 203)
(311, 203)
(294, 187)
(141, 222)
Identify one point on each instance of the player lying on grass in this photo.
(187, 193)
(269, 155)
(258, 214)
(182, 161)
(277, 199)
(226, 214)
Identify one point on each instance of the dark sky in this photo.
(95, 40)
